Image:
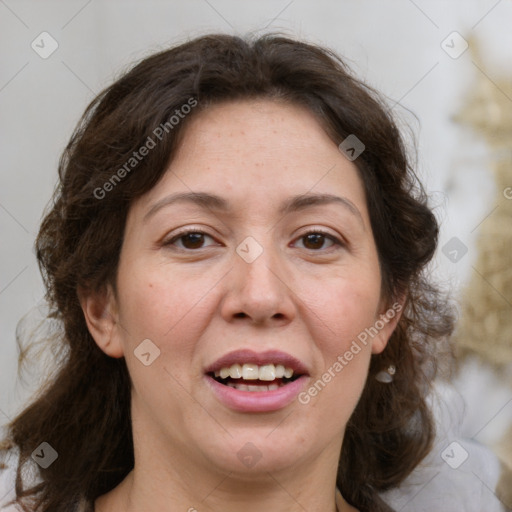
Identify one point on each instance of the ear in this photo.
(386, 322)
(100, 312)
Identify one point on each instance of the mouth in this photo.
(254, 378)
(247, 381)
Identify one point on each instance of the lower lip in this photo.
(256, 401)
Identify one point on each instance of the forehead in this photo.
(273, 128)
(258, 150)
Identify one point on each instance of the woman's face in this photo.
(254, 249)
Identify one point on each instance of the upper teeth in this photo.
(254, 372)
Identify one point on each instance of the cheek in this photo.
(163, 305)
(344, 311)
(170, 309)
(345, 307)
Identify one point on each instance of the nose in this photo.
(259, 292)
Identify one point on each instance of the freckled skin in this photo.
(310, 304)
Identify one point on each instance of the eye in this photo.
(315, 240)
(189, 240)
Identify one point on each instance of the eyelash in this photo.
(335, 241)
(178, 236)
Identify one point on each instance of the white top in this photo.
(460, 474)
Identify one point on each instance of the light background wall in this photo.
(394, 45)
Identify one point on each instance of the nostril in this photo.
(240, 315)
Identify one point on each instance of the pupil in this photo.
(316, 239)
(193, 240)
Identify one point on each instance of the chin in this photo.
(257, 453)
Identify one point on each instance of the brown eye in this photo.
(193, 240)
(315, 240)
(189, 240)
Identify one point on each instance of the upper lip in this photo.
(259, 358)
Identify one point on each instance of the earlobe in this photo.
(386, 324)
(100, 312)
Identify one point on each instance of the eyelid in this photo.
(170, 240)
(336, 239)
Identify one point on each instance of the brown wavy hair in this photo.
(83, 409)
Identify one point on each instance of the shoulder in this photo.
(459, 473)
(7, 492)
(8, 467)
(446, 485)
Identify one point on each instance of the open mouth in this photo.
(252, 377)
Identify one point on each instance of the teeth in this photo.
(252, 387)
(240, 387)
(235, 372)
(249, 371)
(267, 372)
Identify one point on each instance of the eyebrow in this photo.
(209, 201)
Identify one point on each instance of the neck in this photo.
(176, 485)
(171, 474)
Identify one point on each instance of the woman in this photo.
(236, 252)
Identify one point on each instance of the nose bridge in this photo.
(256, 267)
(257, 288)
(261, 273)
